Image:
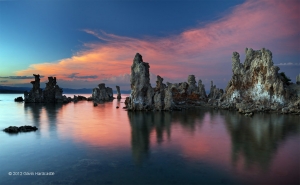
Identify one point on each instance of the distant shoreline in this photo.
(11, 92)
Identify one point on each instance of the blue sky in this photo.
(33, 33)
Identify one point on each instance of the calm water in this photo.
(83, 144)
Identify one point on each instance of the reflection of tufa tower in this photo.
(142, 124)
(255, 143)
(42, 114)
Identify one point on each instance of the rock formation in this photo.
(141, 90)
(192, 84)
(162, 97)
(201, 90)
(19, 99)
(102, 93)
(51, 94)
(118, 92)
(257, 79)
(35, 95)
(159, 94)
(14, 129)
(215, 93)
(255, 85)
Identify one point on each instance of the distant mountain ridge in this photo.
(17, 90)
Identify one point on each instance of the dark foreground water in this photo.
(80, 144)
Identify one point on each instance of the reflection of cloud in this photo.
(3, 81)
(19, 77)
(288, 64)
(203, 51)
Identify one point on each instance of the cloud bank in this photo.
(204, 51)
(19, 77)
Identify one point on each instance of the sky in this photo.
(84, 43)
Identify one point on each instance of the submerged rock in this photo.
(19, 99)
(14, 129)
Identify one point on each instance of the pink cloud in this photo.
(204, 51)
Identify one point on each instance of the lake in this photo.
(78, 143)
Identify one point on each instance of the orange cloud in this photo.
(203, 51)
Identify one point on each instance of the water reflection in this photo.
(256, 140)
(41, 114)
(144, 123)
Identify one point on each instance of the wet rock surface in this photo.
(14, 129)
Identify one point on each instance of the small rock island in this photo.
(51, 94)
(14, 129)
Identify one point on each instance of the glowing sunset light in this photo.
(204, 50)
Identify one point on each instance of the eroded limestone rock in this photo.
(215, 93)
(201, 90)
(159, 94)
(141, 90)
(51, 94)
(102, 93)
(257, 79)
(255, 86)
(192, 84)
(162, 97)
(35, 95)
(118, 92)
